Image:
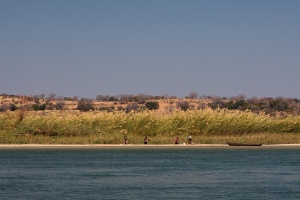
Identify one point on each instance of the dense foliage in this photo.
(152, 105)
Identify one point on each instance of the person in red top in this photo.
(176, 140)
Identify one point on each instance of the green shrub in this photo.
(152, 105)
(183, 105)
(85, 106)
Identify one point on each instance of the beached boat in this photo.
(243, 144)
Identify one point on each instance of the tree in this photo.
(172, 97)
(60, 98)
(141, 98)
(43, 106)
(253, 100)
(41, 96)
(279, 105)
(13, 107)
(193, 95)
(52, 96)
(36, 99)
(85, 105)
(132, 106)
(68, 99)
(60, 105)
(152, 105)
(37, 107)
(230, 105)
(75, 98)
(102, 98)
(125, 97)
(241, 104)
(201, 105)
(112, 98)
(4, 108)
(238, 98)
(165, 96)
(183, 105)
(217, 102)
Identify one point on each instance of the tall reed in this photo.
(113, 125)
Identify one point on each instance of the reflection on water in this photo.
(149, 173)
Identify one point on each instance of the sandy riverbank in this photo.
(5, 146)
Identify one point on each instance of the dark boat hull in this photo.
(242, 144)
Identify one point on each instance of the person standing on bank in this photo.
(176, 140)
(189, 139)
(146, 140)
(125, 140)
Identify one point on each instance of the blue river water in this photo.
(150, 173)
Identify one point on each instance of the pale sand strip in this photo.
(5, 146)
(104, 145)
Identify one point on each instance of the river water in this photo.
(150, 173)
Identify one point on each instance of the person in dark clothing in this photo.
(125, 140)
(146, 140)
(189, 139)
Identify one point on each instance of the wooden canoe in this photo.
(243, 144)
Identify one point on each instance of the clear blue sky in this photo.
(155, 47)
